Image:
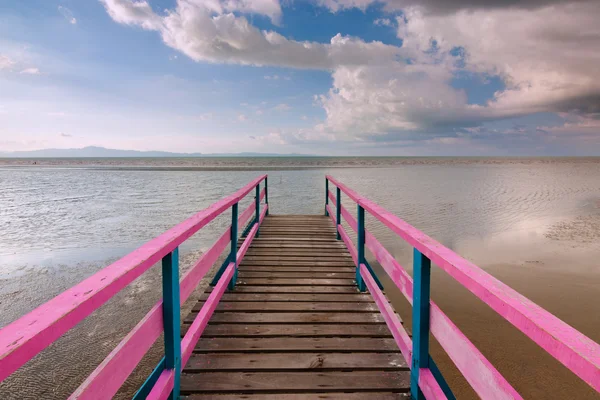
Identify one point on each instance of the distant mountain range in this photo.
(101, 152)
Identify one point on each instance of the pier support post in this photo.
(257, 203)
(267, 194)
(234, 241)
(338, 212)
(360, 245)
(171, 317)
(420, 320)
(326, 196)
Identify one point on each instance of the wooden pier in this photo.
(295, 327)
(295, 312)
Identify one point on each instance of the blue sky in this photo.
(338, 77)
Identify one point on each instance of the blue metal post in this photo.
(361, 248)
(420, 320)
(326, 196)
(234, 240)
(171, 316)
(257, 203)
(338, 211)
(267, 193)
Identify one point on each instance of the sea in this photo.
(533, 223)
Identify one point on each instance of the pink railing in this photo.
(576, 351)
(23, 339)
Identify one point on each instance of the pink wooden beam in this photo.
(23, 339)
(348, 243)
(195, 331)
(192, 277)
(427, 381)
(576, 351)
(487, 382)
(330, 213)
(349, 192)
(391, 318)
(263, 192)
(108, 377)
(331, 197)
(429, 386)
(163, 387)
(248, 212)
(244, 247)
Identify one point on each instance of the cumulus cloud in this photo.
(282, 107)
(546, 52)
(211, 32)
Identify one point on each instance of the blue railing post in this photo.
(420, 320)
(234, 241)
(361, 248)
(171, 316)
(326, 196)
(257, 204)
(267, 194)
(338, 211)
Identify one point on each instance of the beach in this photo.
(533, 223)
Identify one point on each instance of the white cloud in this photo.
(65, 12)
(242, 118)
(282, 107)
(383, 22)
(547, 57)
(6, 62)
(210, 32)
(30, 71)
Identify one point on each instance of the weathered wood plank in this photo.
(284, 258)
(301, 396)
(271, 268)
(295, 282)
(340, 263)
(253, 306)
(293, 289)
(300, 382)
(277, 344)
(295, 361)
(266, 297)
(293, 274)
(293, 318)
(296, 330)
(286, 245)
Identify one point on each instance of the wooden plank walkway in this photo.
(295, 327)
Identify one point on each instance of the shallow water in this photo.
(517, 218)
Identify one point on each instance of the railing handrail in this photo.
(26, 337)
(573, 349)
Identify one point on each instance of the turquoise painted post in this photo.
(326, 196)
(257, 204)
(171, 317)
(338, 211)
(420, 320)
(267, 194)
(360, 245)
(234, 240)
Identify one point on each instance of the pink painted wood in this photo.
(108, 377)
(485, 380)
(427, 382)
(330, 213)
(391, 318)
(244, 247)
(248, 212)
(163, 387)
(262, 194)
(576, 351)
(331, 197)
(429, 386)
(195, 331)
(23, 339)
(348, 243)
(112, 372)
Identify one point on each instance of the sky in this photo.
(323, 77)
